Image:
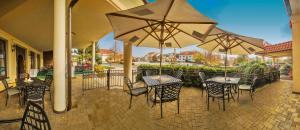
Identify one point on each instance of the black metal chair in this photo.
(178, 74)
(168, 93)
(151, 72)
(135, 91)
(35, 93)
(216, 91)
(48, 83)
(203, 81)
(34, 118)
(10, 91)
(248, 87)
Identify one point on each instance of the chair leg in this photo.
(161, 110)
(130, 101)
(223, 103)
(178, 106)
(251, 94)
(238, 98)
(6, 100)
(207, 103)
(50, 94)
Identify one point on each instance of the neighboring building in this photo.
(151, 57)
(186, 56)
(104, 54)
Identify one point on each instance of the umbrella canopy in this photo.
(219, 40)
(169, 23)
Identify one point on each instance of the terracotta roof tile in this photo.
(285, 46)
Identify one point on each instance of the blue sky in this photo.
(266, 19)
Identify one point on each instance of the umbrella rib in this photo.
(133, 30)
(128, 16)
(208, 41)
(169, 8)
(150, 34)
(185, 32)
(215, 47)
(249, 42)
(193, 22)
(235, 45)
(245, 49)
(173, 37)
(221, 41)
(233, 41)
(146, 36)
(153, 29)
(167, 37)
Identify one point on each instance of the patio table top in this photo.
(156, 80)
(221, 79)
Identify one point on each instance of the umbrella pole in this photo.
(225, 64)
(160, 58)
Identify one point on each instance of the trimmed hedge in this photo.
(190, 73)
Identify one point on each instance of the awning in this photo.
(31, 21)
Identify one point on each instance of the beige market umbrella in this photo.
(163, 24)
(219, 40)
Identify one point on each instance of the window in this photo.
(32, 60)
(3, 69)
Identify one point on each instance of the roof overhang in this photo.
(31, 21)
(292, 7)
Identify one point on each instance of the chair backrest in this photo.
(214, 88)
(35, 118)
(254, 82)
(35, 91)
(202, 77)
(48, 80)
(5, 84)
(178, 74)
(170, 91)
(128, 84)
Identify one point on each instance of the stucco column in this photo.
(59, 55)
(296, 52)
(93, 55)
(127, 62)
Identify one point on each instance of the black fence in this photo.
(104, 79)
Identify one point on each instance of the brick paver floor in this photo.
(274, 107)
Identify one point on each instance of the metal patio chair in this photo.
(169, 93)
(248, 87)
(133, 92)
(10, 91)
(34, 118)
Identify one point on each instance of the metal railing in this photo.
(106, 78)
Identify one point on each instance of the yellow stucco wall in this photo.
(11, 55)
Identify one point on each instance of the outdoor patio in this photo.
(274, 107)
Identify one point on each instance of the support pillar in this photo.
(127, 62)
(93, 55)
(296, 52)
(59, 53)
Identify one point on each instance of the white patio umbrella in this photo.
(163, 24)
(219, 40)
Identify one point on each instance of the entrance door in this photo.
(21, 60)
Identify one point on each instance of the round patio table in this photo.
(231, 81)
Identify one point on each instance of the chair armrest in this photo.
(10, 121)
